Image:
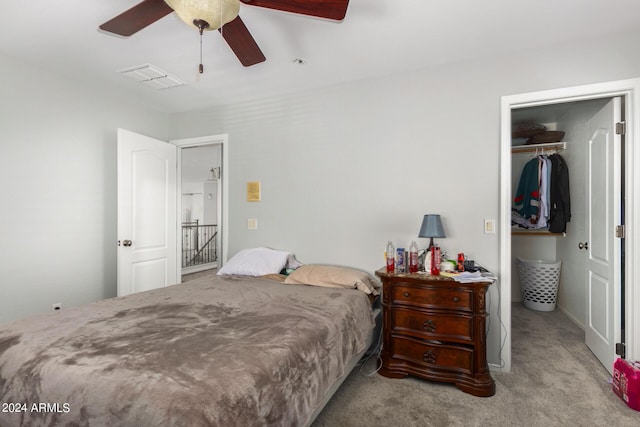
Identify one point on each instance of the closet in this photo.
(551, 210)
(572, 118)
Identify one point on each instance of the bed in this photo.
(227, 350)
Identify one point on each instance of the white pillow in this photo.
(256, 262)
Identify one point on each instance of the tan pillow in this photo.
(333, 277)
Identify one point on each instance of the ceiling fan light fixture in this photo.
(220, 15)
(216, 13)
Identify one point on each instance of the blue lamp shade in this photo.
(431, 227)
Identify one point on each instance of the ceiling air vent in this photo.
(151, 76)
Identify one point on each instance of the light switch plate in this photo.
(489, 226)
(252, 224)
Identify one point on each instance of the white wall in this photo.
(192, 202)
(210, 202)
(201, 199)
(347, 168)
(58, 188)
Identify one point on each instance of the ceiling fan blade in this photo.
(138, 17)
(242, 43)
(329, 9)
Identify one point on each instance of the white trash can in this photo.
(539, 283)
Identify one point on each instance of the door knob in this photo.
(584, 245)
(127, 242)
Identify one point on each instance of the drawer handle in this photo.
(429, 325)
(456, 299)
(406, 294)
(430, 357)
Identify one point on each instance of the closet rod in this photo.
(556, 146)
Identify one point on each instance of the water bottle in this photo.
(391, 257)
(413, 257)
(435, 260)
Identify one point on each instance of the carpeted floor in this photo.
(554, 381)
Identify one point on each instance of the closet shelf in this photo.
(534, 148)
(532, 232)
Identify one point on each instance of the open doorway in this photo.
(200, 207)
(628, 91)
(205, 160)
(589, 290)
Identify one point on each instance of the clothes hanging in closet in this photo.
(542, 198)
(560, 197)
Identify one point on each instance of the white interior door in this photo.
(147, 192)
(603, 321)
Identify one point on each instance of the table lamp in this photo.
(431, 227)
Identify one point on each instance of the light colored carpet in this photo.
(554, 381)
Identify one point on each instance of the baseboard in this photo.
(570, 316)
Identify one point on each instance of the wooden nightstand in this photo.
(434, 328)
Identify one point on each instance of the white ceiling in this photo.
(377, 37)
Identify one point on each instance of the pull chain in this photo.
(201, 67)
(201, 25)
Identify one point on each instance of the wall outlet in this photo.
(56, 307)
(252, 224)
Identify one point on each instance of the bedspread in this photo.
(223, 351)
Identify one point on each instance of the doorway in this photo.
(629, 91)
(201, 206)
(202, 203)
(588, 251)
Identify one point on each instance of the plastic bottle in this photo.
(435, 260)
(461, 261)
(400, 260)
(413, 257)
(391, 257)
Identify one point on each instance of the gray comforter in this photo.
(229, 351)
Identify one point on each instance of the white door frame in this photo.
(223, 220)
(630, 89)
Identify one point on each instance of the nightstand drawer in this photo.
(433, 355)
(456, 299)
(443, 327)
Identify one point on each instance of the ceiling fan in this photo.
(207, 15)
